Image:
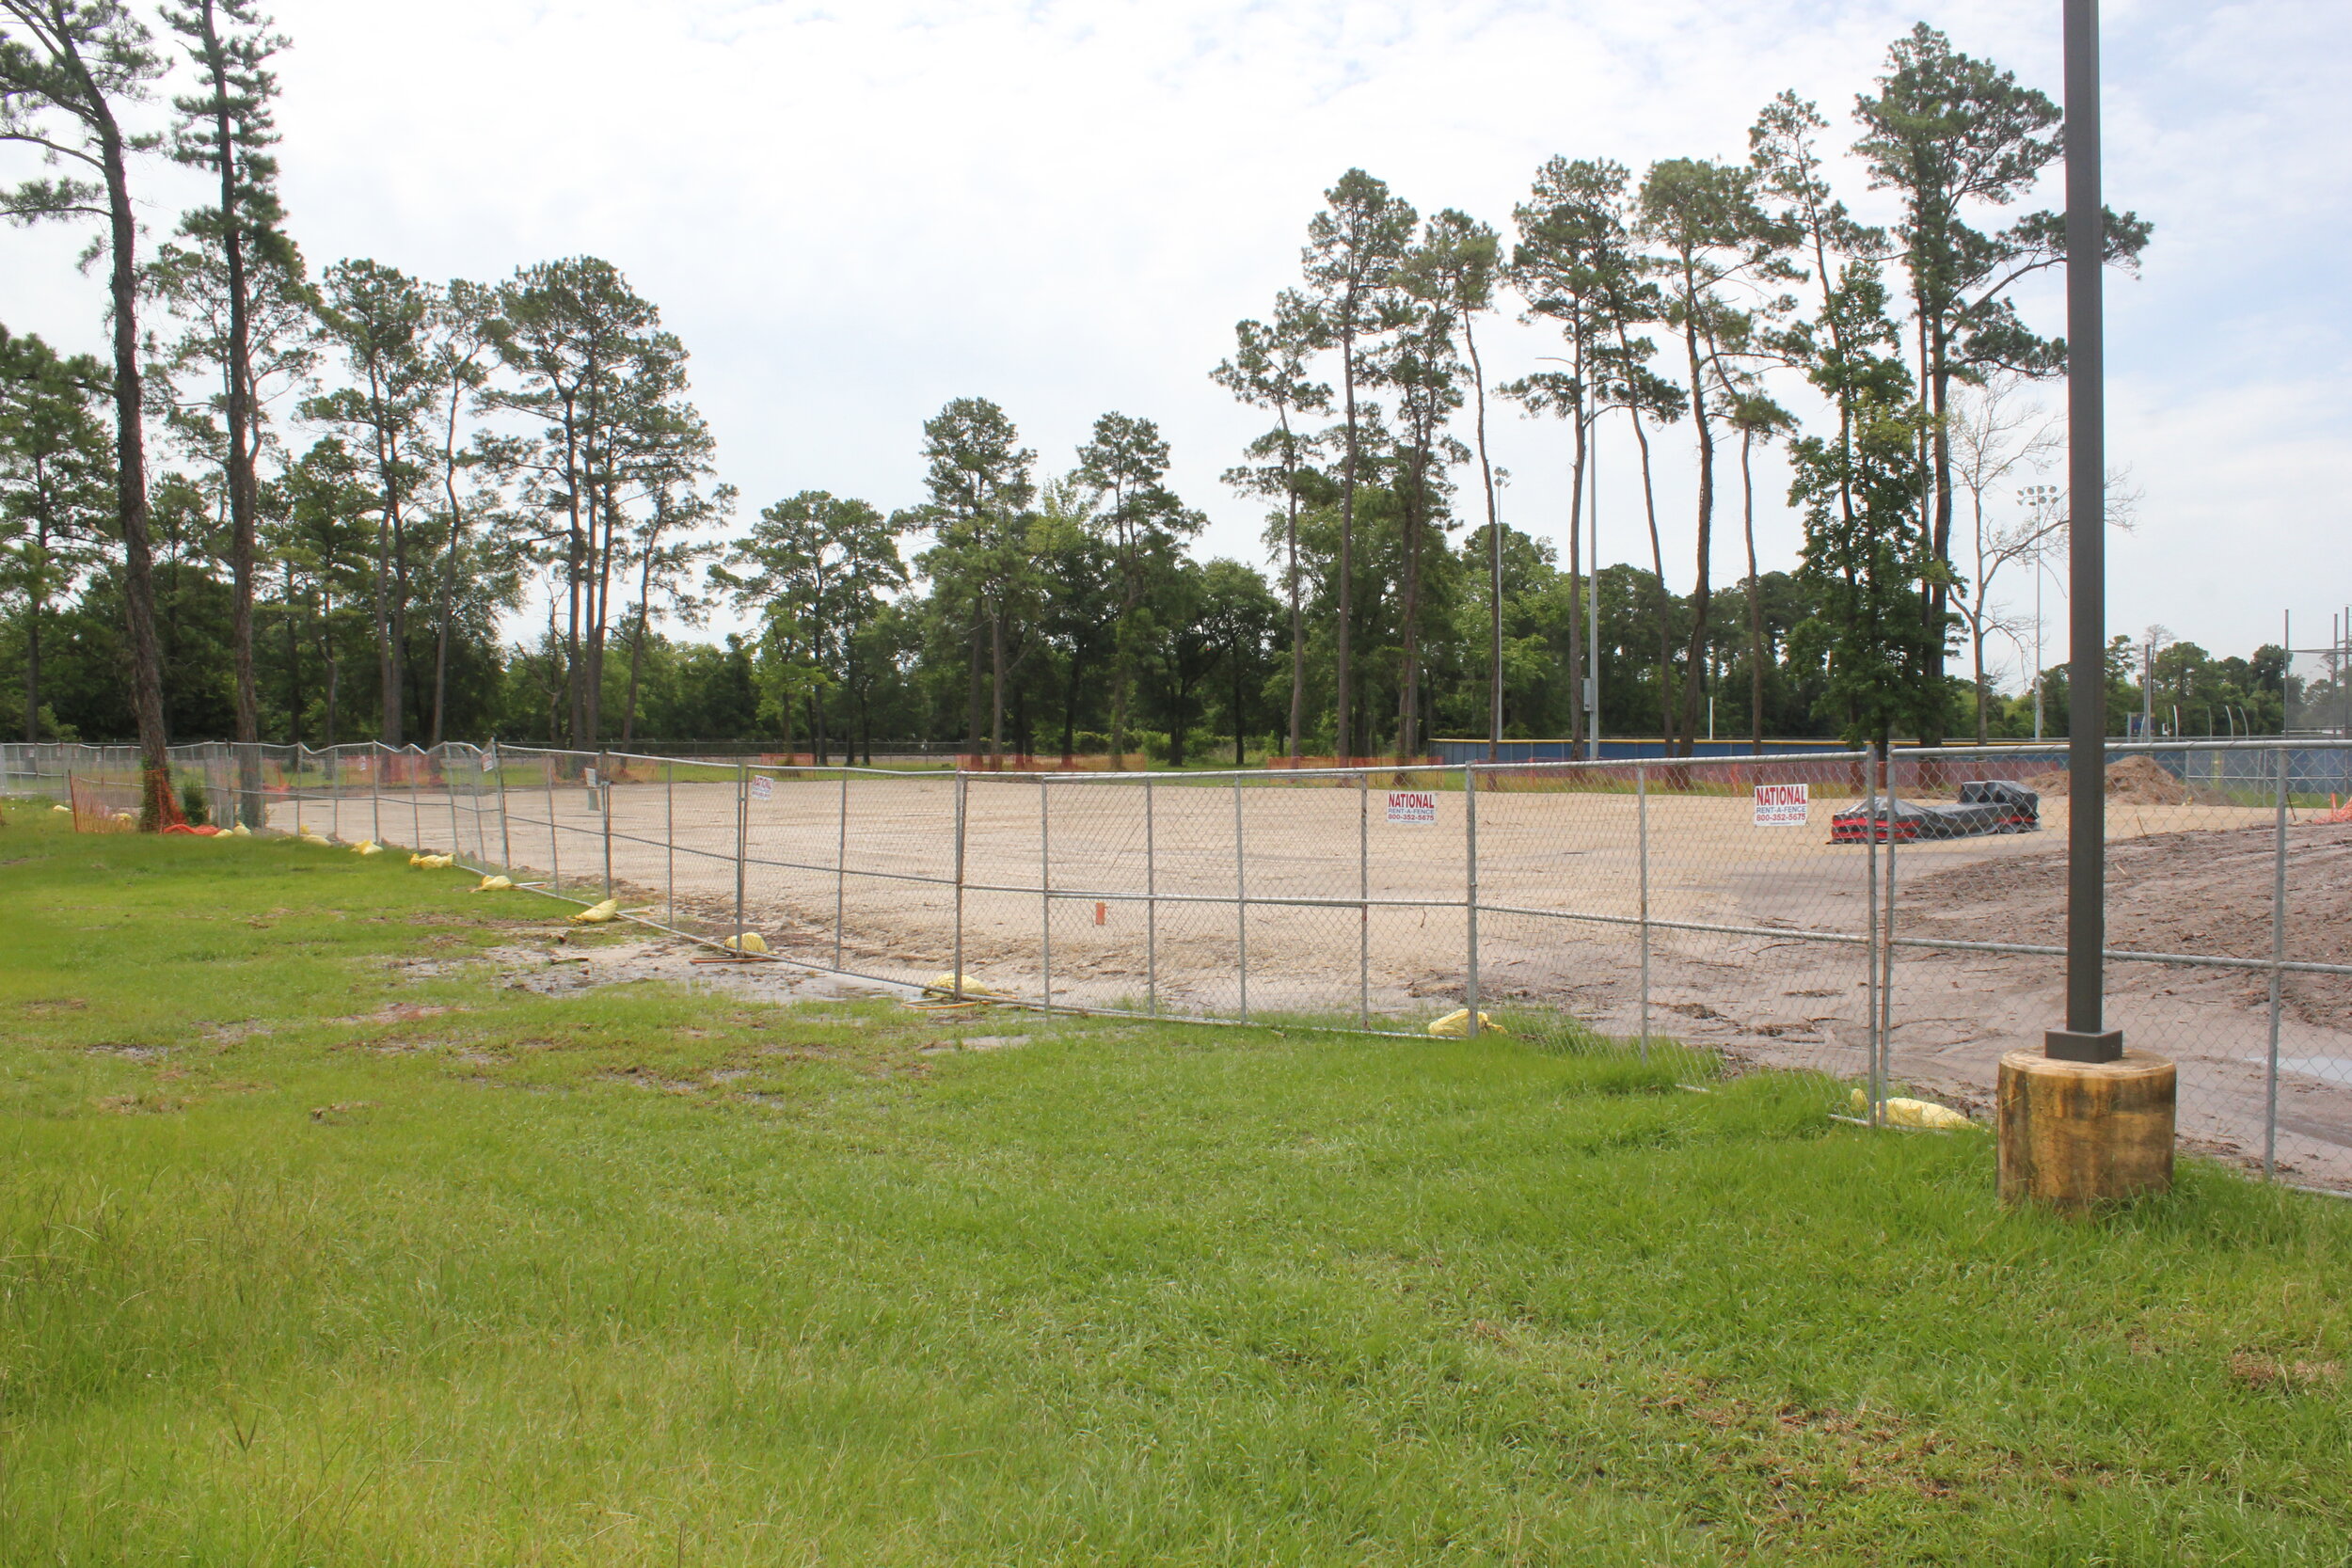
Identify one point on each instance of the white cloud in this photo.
(853, 212)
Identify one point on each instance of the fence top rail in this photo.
(678, 759)
(1620, 764)
(2057, 746)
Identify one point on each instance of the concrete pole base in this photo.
(2077, 1135)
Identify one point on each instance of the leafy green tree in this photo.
(1354, 248)
(1577, 263)
(1418, 357)
(1125, 464)
(225, 129)
(1573, 266)
(979, 477)
(1714, 238)
(606, 387)
(1867, 554)
(1458, 264)
(1784, 150)
(817, 566)
(57, 487)
(376, 315)
(680, 503)
(1078, 575)
(461, 338)
(1758, 419)
(320, 535)
(67, 67)
(1952, 134)
(1238, 615)
(1268, 370)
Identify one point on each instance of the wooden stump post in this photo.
(2077, 1135)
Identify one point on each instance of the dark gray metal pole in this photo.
(2084, 1039)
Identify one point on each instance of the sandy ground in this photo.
(2188, 878)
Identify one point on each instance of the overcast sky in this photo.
(853, 212)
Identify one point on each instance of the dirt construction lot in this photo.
(1126, 895)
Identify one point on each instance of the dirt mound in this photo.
(2138, 780)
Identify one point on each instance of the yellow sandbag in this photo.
(1899, 1112)
(495, 884)
(67, 809)
(597, 914)
(1456, 1023)
(749, 941)
(308, 837)
(945, 985)
(240, 830)
(430, 862)
(367, 846)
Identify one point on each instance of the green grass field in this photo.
(323, 1246)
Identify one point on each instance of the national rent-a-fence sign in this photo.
(1781, 805)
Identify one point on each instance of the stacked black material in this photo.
(1985, 806)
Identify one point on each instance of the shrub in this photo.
(194, 804)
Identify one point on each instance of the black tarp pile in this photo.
(1985, 806)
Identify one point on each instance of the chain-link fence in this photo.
(1895, 924)
(2319, 691)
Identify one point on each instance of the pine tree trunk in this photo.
(1576, 558)
(1658, 561)
(139, 565)
(1756, 600)
(449, 572)
(996, 686)
(1494, 545)
(237, 374)
(35, 602)
(1342, 675)
(972, 708)
(1298, 624)
(1696, 655)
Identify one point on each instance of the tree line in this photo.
(311, 505)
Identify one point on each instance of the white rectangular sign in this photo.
(762, 786)
(1416, 806)
(588, 777)
(1781, 805)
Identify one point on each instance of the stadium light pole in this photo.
(2086, 1037)
(2082, 1123)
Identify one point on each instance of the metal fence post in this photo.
(506, 841)
(743, 830)
(1469, 859)
(375, 793)
(449, 788)
(1886, 979)
(961, 790)
(334, 795)
(1045, 890)
(669, 842)
(604, 807)
(1151, 905)
(840, 867)
(555, 852)
(1870, 819)
(1641, 832)
(2277, 956)
(1241, 904)
(1363, 899)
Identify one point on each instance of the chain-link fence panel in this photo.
(1894, 925)
(1698, 900)
(2227, 889)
